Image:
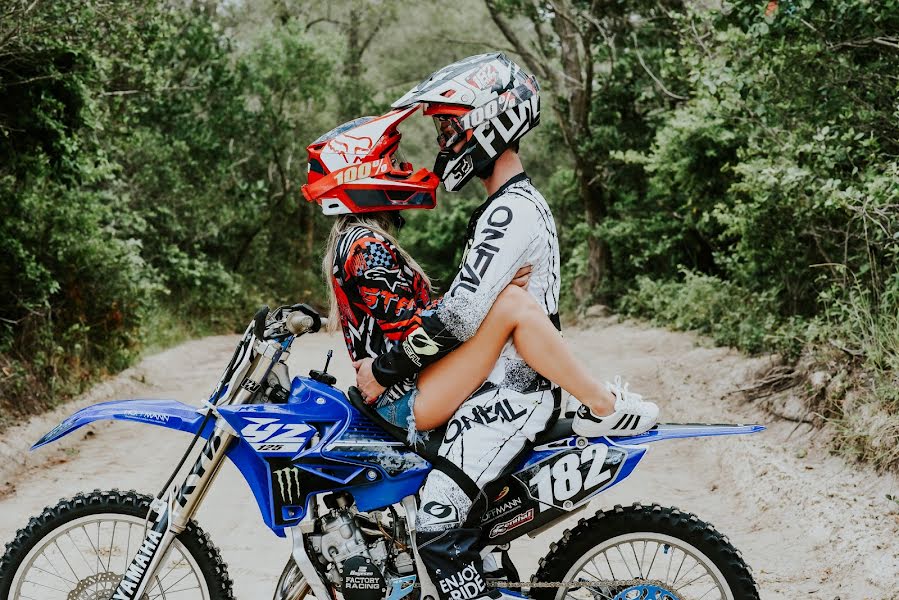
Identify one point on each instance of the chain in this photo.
(611, 583)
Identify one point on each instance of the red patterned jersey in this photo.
(379, 295)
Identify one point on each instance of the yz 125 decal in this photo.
(565, 479)
(270, 435)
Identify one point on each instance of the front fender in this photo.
(164, 413)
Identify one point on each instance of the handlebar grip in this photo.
(298, 323)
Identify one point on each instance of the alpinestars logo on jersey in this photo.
(478, 258)
(500, 410)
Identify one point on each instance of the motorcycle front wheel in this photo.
(79, 549)
(642, 553)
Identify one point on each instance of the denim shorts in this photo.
(400, 413)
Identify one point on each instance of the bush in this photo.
(148, 168)
(730, 315)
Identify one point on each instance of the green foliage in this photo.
(148, 168)
(727, 313)
(734, 171)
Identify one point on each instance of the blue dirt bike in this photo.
(324, 468)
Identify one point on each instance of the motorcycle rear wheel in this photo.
(662, 552)
(78, 550)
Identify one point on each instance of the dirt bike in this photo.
(326, 470)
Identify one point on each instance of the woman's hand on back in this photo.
(522, 277)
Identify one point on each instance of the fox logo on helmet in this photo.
(352, 149)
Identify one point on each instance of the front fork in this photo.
(173, 513)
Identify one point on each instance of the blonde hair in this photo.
(381, 224)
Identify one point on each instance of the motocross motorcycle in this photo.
(327, 471)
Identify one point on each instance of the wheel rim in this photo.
(684, 571)
(84, 559)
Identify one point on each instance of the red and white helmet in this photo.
(486, 100)
(353, 169)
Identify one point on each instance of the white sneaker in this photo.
(632, 415)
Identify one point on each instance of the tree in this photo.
(580, 49)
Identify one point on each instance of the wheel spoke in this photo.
(595, 576)
(686, 572)
(97, 550)
(626, 566)
(679, 567)
(713, 588)
(40, 577)
(91, 542)
(71, 539)
(127, 551)
(692, 581)
(639, 566)
(654, 555)
(611, 570)
(596, 566)
(49, 587)
(111, 545)
(63, 554)
(54, 575)
(183, 577)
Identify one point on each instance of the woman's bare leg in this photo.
(444, 385)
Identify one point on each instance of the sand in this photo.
(810, 524)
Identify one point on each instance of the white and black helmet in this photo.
(486, 100)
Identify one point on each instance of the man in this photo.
(482, 106)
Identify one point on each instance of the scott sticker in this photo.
(516, 521)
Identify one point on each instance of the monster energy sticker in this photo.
(288, 482)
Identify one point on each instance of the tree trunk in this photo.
(310, 230)
(593, 198)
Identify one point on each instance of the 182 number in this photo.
(563, 479)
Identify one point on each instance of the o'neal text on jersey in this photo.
(472, 271)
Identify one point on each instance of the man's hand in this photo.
(522, 277)
(365, 380)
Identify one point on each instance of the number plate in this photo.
(567, 478)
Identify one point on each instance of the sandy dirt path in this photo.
(810, 525)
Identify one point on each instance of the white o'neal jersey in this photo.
(513, 228)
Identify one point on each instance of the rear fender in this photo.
(170, 414)
(674, 431)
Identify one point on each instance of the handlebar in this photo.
(298, 323)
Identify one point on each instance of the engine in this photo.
(361, 553)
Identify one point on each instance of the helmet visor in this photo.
(449, 130)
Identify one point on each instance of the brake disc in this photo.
(100, 586)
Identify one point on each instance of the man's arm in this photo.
(500, 247)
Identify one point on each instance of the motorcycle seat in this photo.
(430, 446)
(560, 430)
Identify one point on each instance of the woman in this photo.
(376, 286)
